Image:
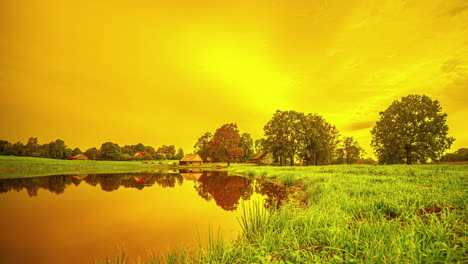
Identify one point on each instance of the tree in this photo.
(284, 134)
(57, 149)
(76, 151)
(225, 143)
(246, 143)
(168, 151)
(260, 145)
(139, 148)
(320, 140)
(32, 147)
(351, 150)
(17, 149)
(202, 146)
(4, 146)
(92, 153)
(411, 130)
(180, 154)
(150, 150)
(459, 155)
(110, 151)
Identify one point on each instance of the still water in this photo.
(82, 218)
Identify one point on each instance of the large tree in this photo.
(320, 139)
(57, 149)
(247, 144)
(225, 144)
(110, 151)
(413, 129)
(284, 134)
(33, 147)
(202, 146)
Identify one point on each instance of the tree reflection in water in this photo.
(276, 192)
(225, 190)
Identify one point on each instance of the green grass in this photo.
(355, 214)
(22, 167)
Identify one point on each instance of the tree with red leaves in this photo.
(225, 144)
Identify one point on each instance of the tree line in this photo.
(410, 130)
(108, 151)
(290, 136)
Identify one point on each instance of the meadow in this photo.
(354, 214)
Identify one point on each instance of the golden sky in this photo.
(165, 72)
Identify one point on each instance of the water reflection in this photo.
(226, 191)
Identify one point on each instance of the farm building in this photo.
(139, 154)
(258, 158)
(79, 157)
(191, 159)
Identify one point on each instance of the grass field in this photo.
(22, 167)
(355, 214)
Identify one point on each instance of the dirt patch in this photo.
(430, 210)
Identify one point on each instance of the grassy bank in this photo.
(355, 214)
(22, 167)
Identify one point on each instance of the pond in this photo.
(83, 218)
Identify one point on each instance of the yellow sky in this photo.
(165, 72)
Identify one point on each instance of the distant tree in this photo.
(169, 152)
(351, 150)
(110, 151)
(92, 153)
(148, 156)
(17, 149)
(4, 146)
(202, 146)
(284, 135)
(76, 151)
(225, 144)
(180, 154)
(128, 149)
(319, 142)
(339, 156)
(260, 145)
(33, 147)
(57, 149)
(246, 143)
(459, 155)
(150, 150)
(125, 156)
(68, 152)
(411, 130)
(139, 148)
(159, 156)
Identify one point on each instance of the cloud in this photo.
(453, 8)
(360, 125)
(452, 65)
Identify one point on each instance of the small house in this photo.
(139, 154)
(79, 157)
(191, 159)
(258, 158)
